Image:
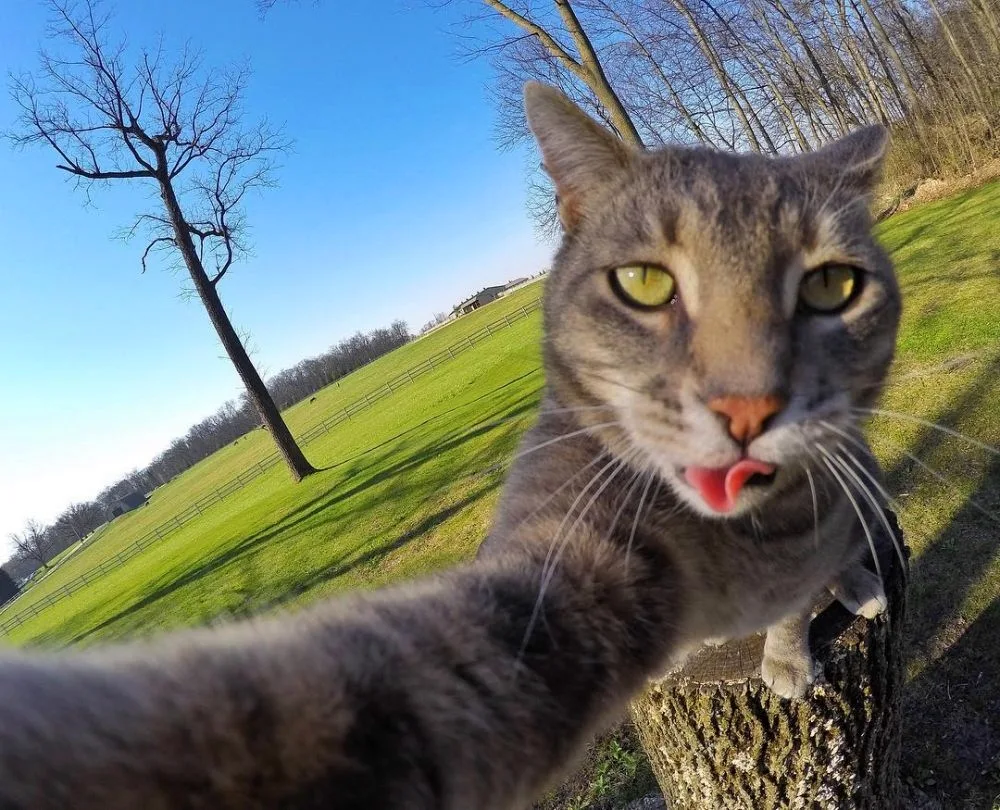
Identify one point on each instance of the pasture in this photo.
(408, 486)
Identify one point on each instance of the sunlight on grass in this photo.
(408, 487)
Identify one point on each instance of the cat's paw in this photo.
(788, 677)
(861, 592)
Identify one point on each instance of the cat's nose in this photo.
(747, 416)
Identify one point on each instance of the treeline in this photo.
(306, 378)
(770, 76)
(38, 544)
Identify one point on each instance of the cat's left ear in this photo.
(856, 159)
(578, 153)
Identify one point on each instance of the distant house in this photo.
(517, 282)
(482, 297)
(133, 500)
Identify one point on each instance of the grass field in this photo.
(408, 486)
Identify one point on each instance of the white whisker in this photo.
(815, 503)
(563, 437)
(943, 479)
(934, 425)
(638, 512)
(857, 511)
(560, 539)
(560, 488)
(876, 506)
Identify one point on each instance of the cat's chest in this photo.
(738, 584)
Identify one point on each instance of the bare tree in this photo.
(111, 115)
(32, 544)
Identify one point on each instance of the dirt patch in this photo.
(933, 189)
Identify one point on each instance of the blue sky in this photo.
(395, 203)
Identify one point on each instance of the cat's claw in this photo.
(861, 592)
(788, 678)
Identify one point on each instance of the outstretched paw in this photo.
(861, 592)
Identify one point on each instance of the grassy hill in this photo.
(422, 449)
(408, 486)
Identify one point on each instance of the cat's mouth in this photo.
(720, 487)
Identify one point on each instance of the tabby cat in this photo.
(712, 322)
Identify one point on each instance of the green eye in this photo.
(829, 288)
(643, 285)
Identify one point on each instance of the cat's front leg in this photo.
(788, 667)
(860, 591)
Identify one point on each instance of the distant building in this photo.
(133, 500)
(479, 299)
(517, 282)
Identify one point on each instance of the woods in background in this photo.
(769, 76)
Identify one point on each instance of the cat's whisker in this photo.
(881, 509)
(589, 373)
(933, 425)
(870, 497)
(638, 512)
(943, 479)
(569, 512)
(552, 555)
(915, 374)
(534, 513)
(893, 502)
(857, 511)
(574, 409)
(560, 543)
(563, 437)
(815, 503)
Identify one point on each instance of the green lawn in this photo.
(428, 451)
(409, 485)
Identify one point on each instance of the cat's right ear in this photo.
(578, 153)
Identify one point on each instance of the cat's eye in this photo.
(830, 288)
(643, 285)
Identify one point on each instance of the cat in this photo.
(708, 318)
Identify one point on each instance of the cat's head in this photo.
(726, 309)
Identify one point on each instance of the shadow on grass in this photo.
(320, 510)
(342, 565)
(954, 560)
(951, 735)
(436, 418)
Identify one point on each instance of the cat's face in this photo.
(726, 309)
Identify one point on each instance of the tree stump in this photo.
(718, 739)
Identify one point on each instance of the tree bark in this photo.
(297, 463)
(718, 739)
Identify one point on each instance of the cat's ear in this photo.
(857, 158)
(578, 153)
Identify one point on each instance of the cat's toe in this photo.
(873, 607)
(788, 678)
(861, 592)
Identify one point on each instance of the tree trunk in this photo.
(259, 395)
(599, 82)
(718, 739)
(728, 87)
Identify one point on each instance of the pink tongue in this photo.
(719, 487)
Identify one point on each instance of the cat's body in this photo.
(711, 323)
(734, 577)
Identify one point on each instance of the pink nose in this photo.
(747, 415)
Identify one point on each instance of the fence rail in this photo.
(196, 509)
